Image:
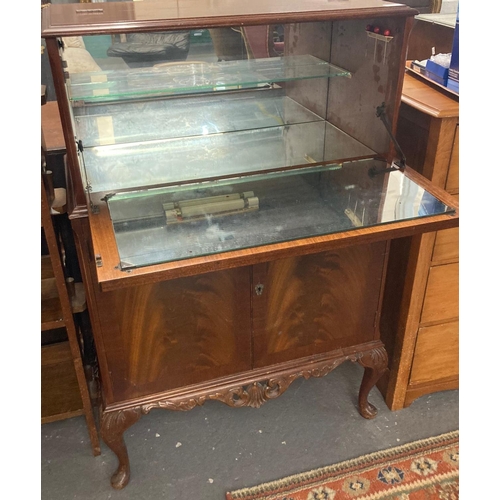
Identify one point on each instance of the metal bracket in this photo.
(383, 117)
(107, 197)
(372, 172)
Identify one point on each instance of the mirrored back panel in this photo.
(160, 108)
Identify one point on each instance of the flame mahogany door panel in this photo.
(171, 334)
(316, 303)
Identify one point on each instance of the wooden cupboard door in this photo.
(316, 303)
(171, 334)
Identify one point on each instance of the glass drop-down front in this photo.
(168, 224)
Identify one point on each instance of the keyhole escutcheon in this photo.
(259, 289)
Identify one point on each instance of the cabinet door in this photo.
(316, 303)
(171, 334)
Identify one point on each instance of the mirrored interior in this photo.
(178, 106)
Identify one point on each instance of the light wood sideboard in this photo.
(422, 335)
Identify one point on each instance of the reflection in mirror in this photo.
(143, 50)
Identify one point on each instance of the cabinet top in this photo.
(121, 17)
(427, 98)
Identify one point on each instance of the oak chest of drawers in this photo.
(422, 333)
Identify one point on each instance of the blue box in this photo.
(436, 72)
(452, 85)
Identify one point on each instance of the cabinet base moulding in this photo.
(250, 389)
(415, 391)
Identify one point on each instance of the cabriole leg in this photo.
(375, 364)
(114, 424)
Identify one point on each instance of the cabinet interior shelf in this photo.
(192, 76)
(202, 115)
(177, 160)
(209, 135)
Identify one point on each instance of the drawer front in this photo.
(441, 295)
(436, 353)
(446, 245)
(452, 180)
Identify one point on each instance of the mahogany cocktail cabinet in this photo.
(233, 186)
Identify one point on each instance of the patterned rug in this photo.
(422, 470)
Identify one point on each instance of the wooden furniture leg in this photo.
(375, 364)
(114, 424)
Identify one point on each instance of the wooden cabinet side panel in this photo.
(83, 243)
(438, 156)
(408, 266)
(316, 303)
(171, 334)
(430, 145)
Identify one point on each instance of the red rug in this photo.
(422, 470)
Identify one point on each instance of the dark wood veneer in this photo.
(124, 17)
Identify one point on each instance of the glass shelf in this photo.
(162, 225)
(137, 121)
(182, 159)
(195, 77)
